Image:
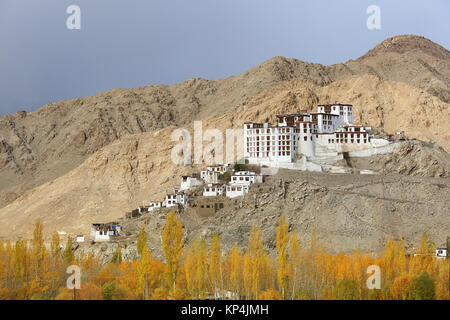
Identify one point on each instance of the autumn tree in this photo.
(215, 265)
(235, 270)
(295, 257)
(69, 256)
(141, 242)
(172, 243)
(282, 243)
(399, 289)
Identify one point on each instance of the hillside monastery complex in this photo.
(322, 137)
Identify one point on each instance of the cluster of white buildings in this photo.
(321, 135)
(210, 179)
(238, 186)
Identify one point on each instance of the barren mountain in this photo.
(92, 159)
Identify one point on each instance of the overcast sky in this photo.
(131, 43)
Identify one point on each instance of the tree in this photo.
(422, 287)
(295, 257)
(55, 249)
(172, 243)
(270, 294)
(282, 242)
(225, 177)
(90, 291)
(141, 242)
(399, 289)
(215, 264)
(68, 252)
(255, 252)
(159, 294)
(347, 290)
(117, 257)
(235, 270)
(109, 290)
(190, 267)
(202, 270)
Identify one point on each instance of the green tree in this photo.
(422, 287)
(117, 257)
(68, 252)
(109, 290)
(226, 177)
(347, 290)
(141, 242)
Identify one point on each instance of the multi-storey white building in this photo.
(320, 134)
(176, 199)
(245, 178)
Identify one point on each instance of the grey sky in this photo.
(131, 43)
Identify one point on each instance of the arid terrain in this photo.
(75, 162)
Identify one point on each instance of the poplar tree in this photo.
(282, 242)
(172, 243)
(215, 264)
(68, 252)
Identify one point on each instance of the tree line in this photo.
(202, 270)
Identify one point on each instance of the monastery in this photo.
(320, 137)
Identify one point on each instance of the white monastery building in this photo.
(316, 135)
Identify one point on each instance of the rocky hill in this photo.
(347, 211)
(91, 159)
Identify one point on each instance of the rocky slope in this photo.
(347, 212)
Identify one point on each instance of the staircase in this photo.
(324, 155)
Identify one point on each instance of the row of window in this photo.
(266, 154)
(270, 130)
(270, 143)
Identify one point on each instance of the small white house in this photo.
(237, 190)
(213, 190)
(188, 182)
(80, 238)
(102, 232)
(245, 178)
(441, 253)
